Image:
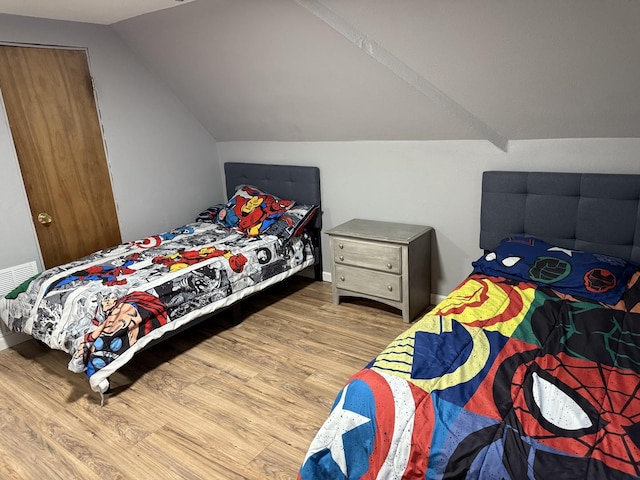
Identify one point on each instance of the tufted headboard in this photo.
(593, 212)
(293, 182)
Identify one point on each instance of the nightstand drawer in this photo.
(383, 261)
(384, 285)
(377, 256)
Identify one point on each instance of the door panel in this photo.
(54, 122)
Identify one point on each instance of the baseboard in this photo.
(9, 339)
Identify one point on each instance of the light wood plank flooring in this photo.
(223, 400)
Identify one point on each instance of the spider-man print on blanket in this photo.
(503, 379)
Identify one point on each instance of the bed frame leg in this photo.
(105, 393)
(236, 313)
(317, 250)
(317, 271)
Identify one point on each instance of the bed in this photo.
(530, 368)
(110, 305)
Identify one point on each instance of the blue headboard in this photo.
(594, 212)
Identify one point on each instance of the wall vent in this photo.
(12, 277)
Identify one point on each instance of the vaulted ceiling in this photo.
(288, 70)
(90, 11)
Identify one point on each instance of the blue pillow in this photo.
(588, 275)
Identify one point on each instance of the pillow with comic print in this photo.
(252, 211)
(601, 278)
(293, 222)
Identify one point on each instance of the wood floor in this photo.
(222, 400)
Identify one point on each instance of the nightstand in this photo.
(382, 261)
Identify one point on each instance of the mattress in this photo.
(104, 308)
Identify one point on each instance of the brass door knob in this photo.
(44, 218)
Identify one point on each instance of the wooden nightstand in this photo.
(382, 261)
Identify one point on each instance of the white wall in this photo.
(435, 183)
(163, 163)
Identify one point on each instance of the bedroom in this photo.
(422, 169)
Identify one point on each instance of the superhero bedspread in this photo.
(105, 307)
(529, 369)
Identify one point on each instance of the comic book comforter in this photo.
(504, 379)
(105, 307)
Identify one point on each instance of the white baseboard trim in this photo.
(437, 298)
(9, 339)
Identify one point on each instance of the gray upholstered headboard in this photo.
(298, 183)
(584, 211)
(293, 182)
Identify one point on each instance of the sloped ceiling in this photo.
(103, 12)
(300, 70)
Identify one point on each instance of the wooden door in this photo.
(48, 95)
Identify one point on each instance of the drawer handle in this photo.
(340, 246)
(342, 278)
(390, 288)
(341, 257)
(389, 266)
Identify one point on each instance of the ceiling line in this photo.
(401, 69)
